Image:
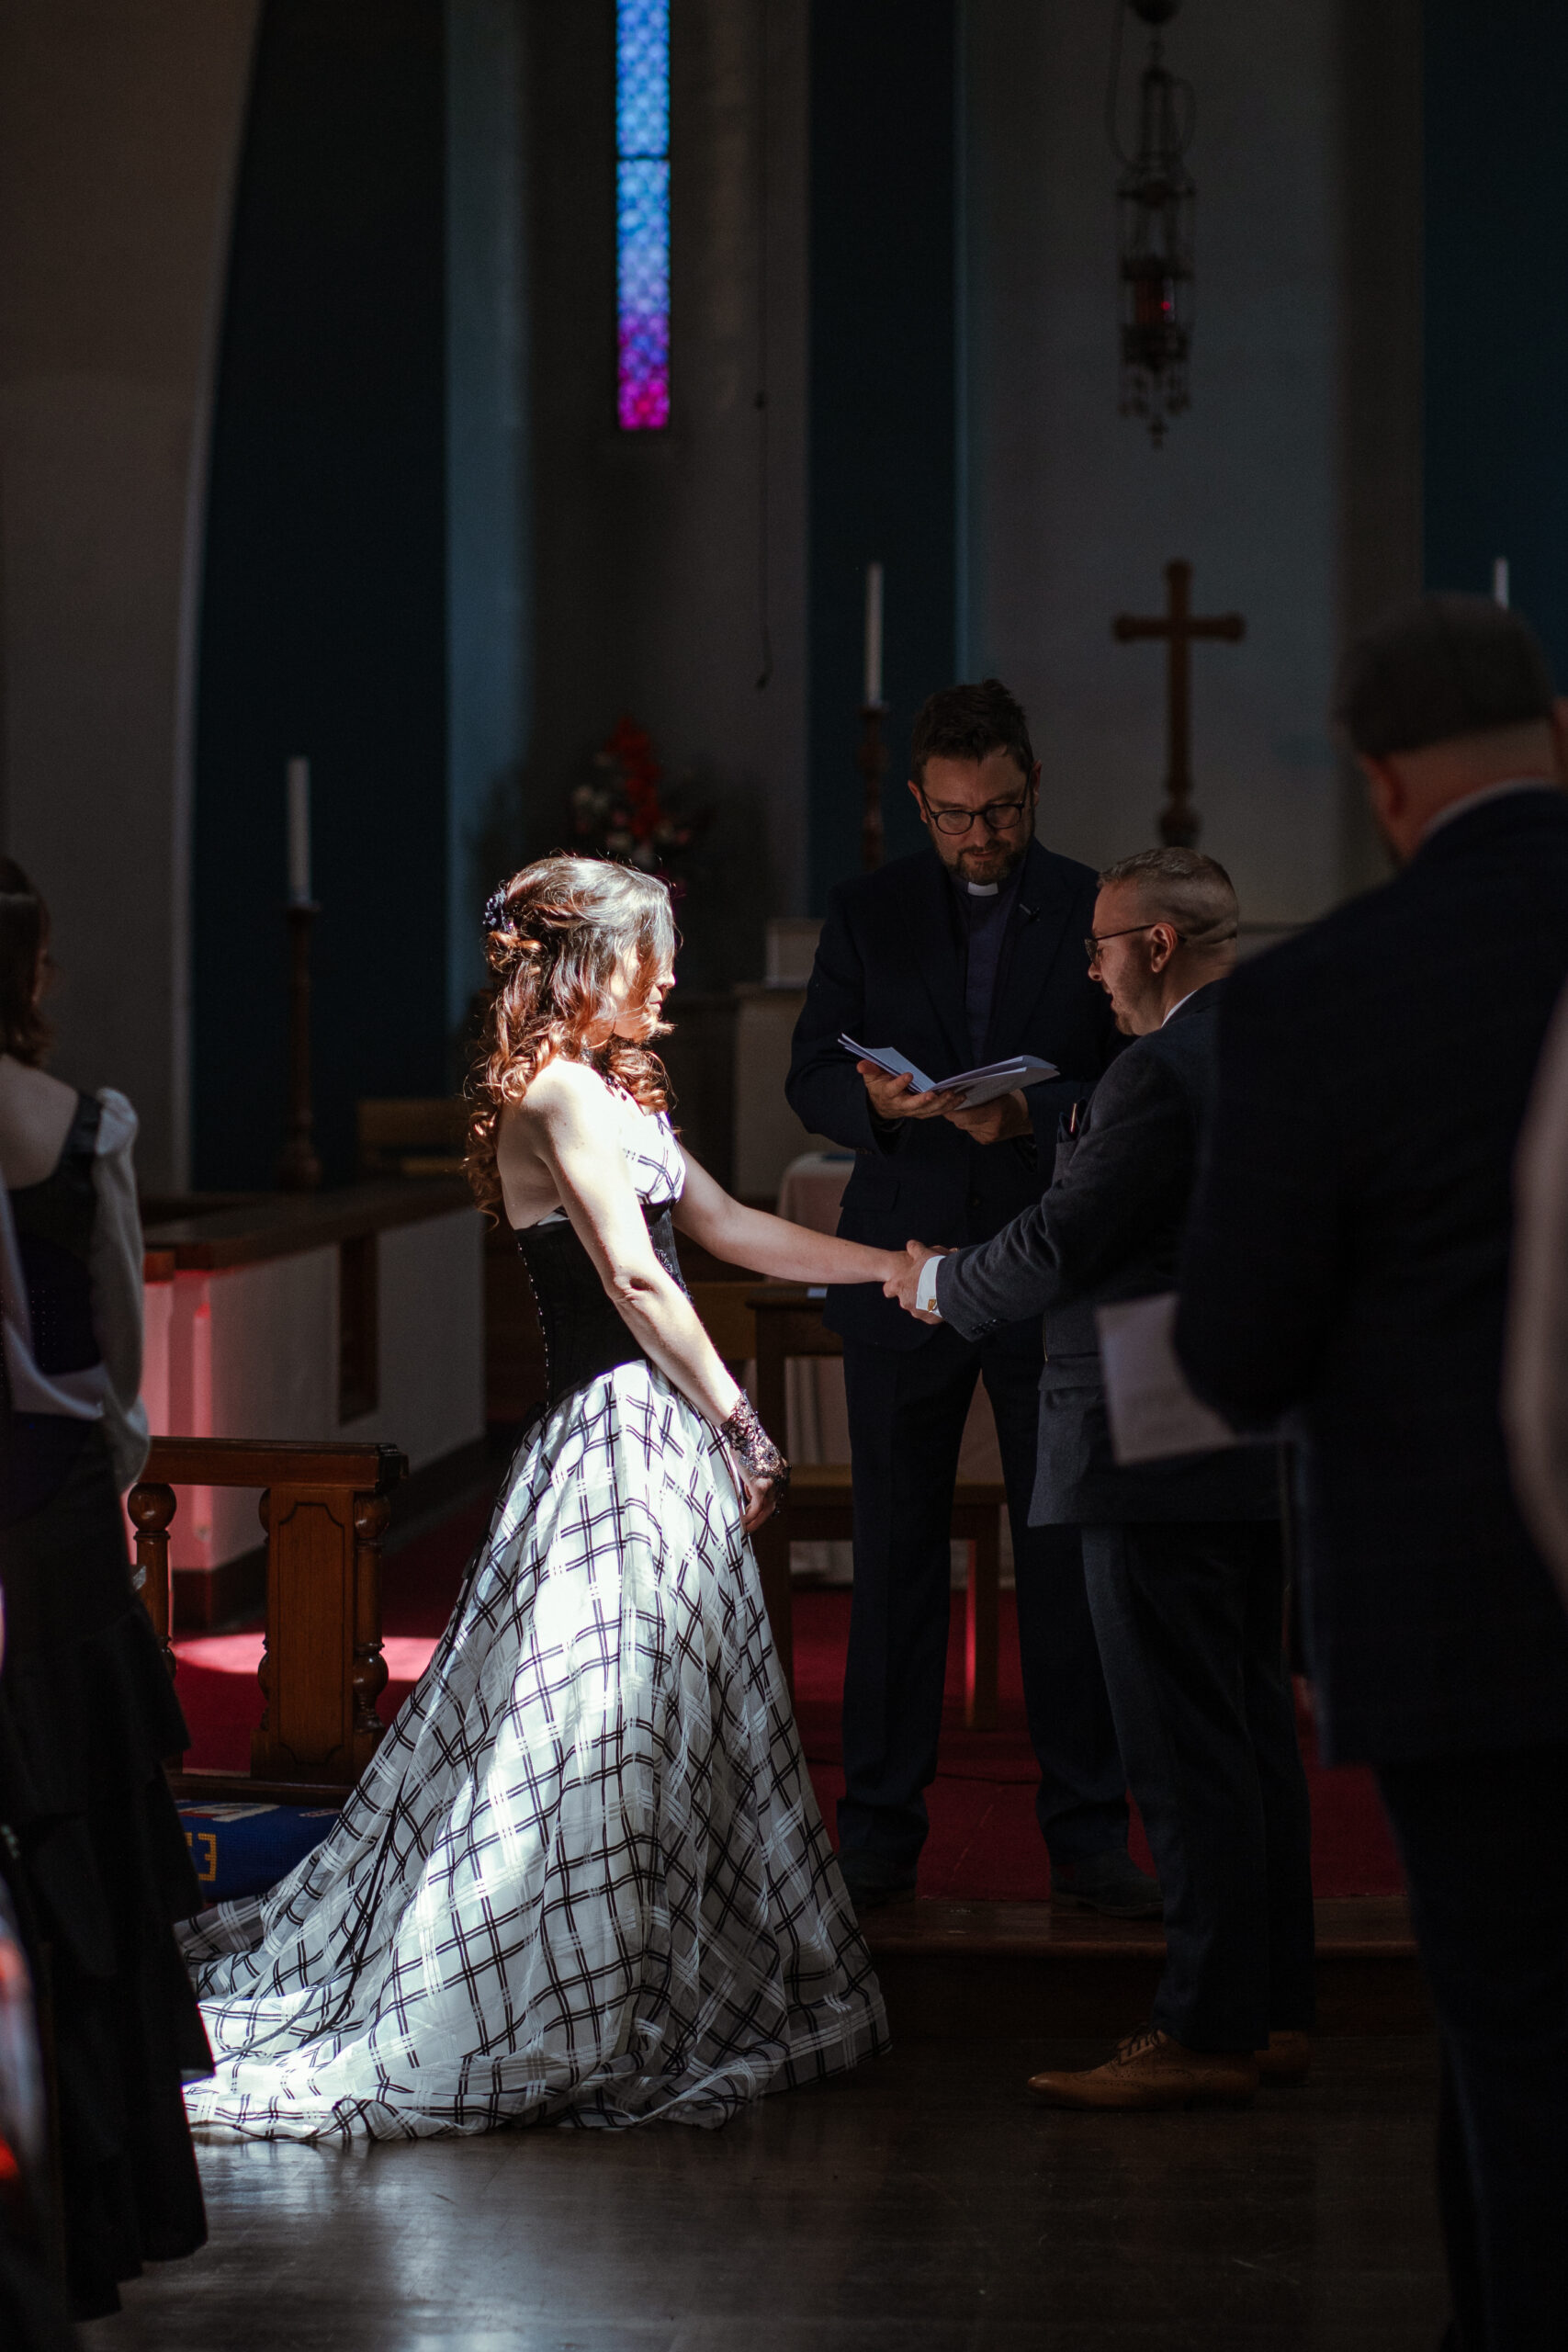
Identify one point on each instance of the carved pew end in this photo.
(325, 1510)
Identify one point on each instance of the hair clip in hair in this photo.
(494, 916)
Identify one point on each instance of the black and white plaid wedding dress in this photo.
(584, 1877)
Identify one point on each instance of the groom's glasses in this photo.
(1096, 940)
(998, 816)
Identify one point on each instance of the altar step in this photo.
(1005, 1969)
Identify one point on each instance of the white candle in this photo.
(1500, 581)
(873, 635)
(299, 833)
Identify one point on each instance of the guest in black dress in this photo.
(87, 1711)
(32, 2305)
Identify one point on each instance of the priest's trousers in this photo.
(907, 1410)
(1191, 1621)
(1484, 1843)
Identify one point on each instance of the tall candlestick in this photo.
(298, 1169)
(871, 758)
(873, 635)
(299, 833)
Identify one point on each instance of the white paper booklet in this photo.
(976, 1086)
(1152, 1411)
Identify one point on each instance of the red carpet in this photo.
(983, 1843)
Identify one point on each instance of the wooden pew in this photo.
(725, 1311)
(324, 1509)
(411, 1136)
(821, 1505)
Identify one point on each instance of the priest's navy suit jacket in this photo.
(889, 971)
(1347, 1265)
(1110, 1227)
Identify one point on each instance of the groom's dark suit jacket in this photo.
(1347, 1264)
(890, 971)
(1109, 1228)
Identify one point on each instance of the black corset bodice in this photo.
(54, 1223)
(584, 1333)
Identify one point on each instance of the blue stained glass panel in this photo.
(642, 77)
(642, 214)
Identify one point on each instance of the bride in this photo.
(584, 1877)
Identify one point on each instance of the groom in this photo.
(968, 951)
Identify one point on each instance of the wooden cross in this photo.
(1177, 626)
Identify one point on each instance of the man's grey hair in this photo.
(1184, 888)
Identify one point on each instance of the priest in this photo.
(968, 951)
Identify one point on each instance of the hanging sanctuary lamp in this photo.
(1153, 206)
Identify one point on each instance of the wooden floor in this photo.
(1372, 1927)
(921, 2205)
(1029, 1968)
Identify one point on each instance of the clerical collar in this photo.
(981, 898)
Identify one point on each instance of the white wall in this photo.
(1072, 513)
(253, 1353)
(430, 1339)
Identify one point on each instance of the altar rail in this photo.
(324, 1510)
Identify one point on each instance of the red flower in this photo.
(631, 748)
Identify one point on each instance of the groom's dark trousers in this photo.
(1182, 1559)
(895, 969)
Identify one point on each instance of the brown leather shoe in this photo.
(1151, 2070)
(1286, 2058)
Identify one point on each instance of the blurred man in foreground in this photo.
(1346, 1267)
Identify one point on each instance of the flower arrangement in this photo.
(619, 810)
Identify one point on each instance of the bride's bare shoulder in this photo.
(565, 1092)
(566, 1110)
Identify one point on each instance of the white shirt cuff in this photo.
(925, 1289)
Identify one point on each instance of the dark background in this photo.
(1496, 304)
(883, 399)
(323, 611)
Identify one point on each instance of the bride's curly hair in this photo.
(554, 936)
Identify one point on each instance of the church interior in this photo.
(438, 433)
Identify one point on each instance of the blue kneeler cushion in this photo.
(244, 1849)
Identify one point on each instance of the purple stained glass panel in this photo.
(642, 214)
(642, 226)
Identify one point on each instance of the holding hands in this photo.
(903, 1283)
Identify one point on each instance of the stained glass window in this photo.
(642, 213)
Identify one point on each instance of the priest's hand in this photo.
(906, 1282)
(896, 1098)
(996, 1121)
